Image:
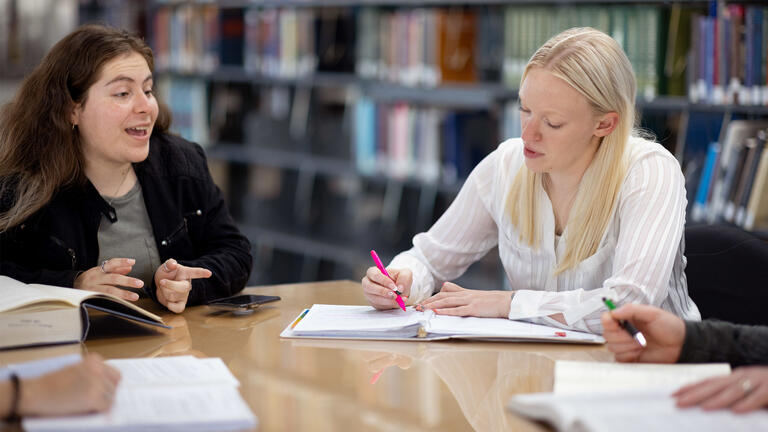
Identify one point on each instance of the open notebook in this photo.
(365, 322)
(606, 397)
(181, 393)
(35, 314)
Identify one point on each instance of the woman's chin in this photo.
(535, 166)
(139, 155)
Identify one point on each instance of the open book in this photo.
(167, 393)
(597, 397)
(34, 314)
(365, 322)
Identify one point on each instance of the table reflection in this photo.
(480, 377)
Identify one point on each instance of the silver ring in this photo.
(165, 267)
(103, 263)
(746, 385)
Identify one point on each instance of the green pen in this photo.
(626, 325)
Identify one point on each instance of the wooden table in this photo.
(320, 385)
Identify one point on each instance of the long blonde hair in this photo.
(595, 65)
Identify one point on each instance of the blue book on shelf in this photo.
(710, 56)
(705, 181)
(703, 128)
(365, 136)
(759, 47)
(451, 148)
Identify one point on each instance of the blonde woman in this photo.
(581, 206)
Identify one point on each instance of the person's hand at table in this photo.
(744, 390)
(109, 276)
(85, 387)
(455, 300)
(664, 333)
(174, 282)
(379, 290)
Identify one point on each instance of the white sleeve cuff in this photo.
(574, 305)
(525, 304)
(578, 312)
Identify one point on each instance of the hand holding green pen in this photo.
(626, 325)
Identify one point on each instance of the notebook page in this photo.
(174, 370)
(629, 411)
(333, 318)
(655, 412)
(16, 294)
(213, 407)
(573, 377)
(499, 327)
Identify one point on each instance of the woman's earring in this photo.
(73, 126)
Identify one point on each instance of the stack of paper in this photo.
(365, 322)
(168, 393)
(606, 397)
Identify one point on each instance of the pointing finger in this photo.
(194, 272)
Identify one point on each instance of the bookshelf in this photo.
(477, 95)
(314, 194)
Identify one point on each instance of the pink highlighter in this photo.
(384, 271)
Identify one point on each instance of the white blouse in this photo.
(639, 259)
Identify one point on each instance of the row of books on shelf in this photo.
(398, 140)
(635, 27)
(187, 100)
(429, 144)
(733, 186)
(729, 55)
(193, 37)
(281, 42)
(717, 56)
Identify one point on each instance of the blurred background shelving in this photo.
(339, 126)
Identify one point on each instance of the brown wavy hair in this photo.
(40, 150)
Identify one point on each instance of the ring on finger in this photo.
(746, 385)
(103, 263)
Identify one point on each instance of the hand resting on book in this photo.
(745, 390)
(455, 300)
(85, 387)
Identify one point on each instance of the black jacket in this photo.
(720, 341)
(189, 219)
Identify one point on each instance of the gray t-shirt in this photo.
(130, 236)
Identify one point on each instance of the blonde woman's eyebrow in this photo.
(546, 112)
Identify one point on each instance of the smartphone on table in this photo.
(242, 304)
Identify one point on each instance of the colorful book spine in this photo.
(757, 209)
(365, 136)
(753, 162)
(705, 183)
